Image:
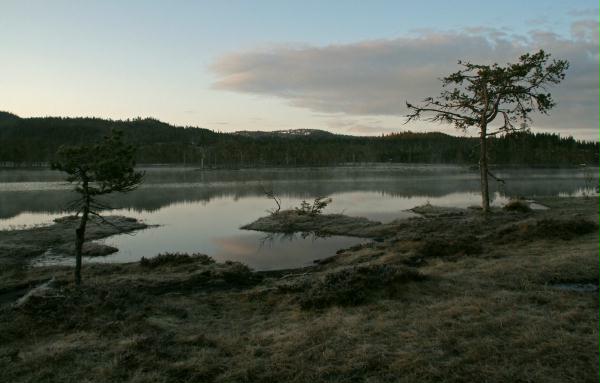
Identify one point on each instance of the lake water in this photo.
(201, 211)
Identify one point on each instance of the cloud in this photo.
(375, 78)
(584, 12)
(585, 29)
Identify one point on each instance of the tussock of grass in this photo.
(174, 259)
(239, 274)
(187, 274)
(353, 286)
(518, 206)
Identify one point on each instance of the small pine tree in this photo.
(95, 170)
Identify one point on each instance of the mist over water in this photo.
(201, 211)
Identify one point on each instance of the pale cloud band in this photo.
(375, 78)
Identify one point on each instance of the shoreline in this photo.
(58, 236)
(19, 246)
(196, 167)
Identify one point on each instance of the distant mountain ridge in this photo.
(313, 133)
(30, 141)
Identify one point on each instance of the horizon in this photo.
(343, 68)
(449, 133)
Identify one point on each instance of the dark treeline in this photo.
(34, 141)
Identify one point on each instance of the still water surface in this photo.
(201, 211)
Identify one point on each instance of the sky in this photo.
(342, 66)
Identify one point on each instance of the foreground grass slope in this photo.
(502, 306)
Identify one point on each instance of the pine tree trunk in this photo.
(483, 169)
(80, 238)
(80, 234)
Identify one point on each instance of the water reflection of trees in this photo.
(154, 196)
(191, 175)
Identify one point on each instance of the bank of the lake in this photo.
(19, 246)
(449, 297)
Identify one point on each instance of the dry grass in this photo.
(561, 228)
(356, 285)
(492, 316)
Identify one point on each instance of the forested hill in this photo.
(33, 141)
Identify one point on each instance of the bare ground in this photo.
(448, 297)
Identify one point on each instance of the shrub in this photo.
(316, 208)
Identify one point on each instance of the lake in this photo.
(201, 211)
